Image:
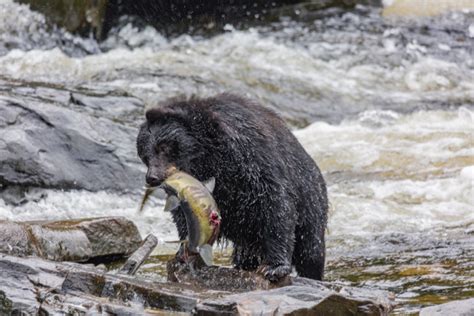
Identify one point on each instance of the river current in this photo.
(384, 105)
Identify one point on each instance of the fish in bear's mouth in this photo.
(187, 194)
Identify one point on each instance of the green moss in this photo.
(5, 304)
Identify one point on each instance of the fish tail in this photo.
(206, 254)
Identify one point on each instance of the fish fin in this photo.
(206, 254)
(172, 203)
(210, 184)
(146, 195)
(177, 241)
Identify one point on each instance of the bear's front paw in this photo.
(275, 273)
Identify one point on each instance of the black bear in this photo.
(271, 194)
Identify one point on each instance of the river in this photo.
(384, 105)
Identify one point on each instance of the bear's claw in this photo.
(275, 273)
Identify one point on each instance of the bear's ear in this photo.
(156, 114)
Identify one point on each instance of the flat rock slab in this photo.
(70, 240)
(456, 308)
(36, 286)
(291, 300)
(301, 297)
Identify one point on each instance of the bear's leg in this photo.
(309, 253)
(278, 244)
(180, 221)
(245, 259)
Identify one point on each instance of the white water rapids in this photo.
(386, 173)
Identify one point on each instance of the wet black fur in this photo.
(271, 194)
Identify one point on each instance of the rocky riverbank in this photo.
(32, 285)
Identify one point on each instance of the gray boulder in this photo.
(73, 240)
(43, 143)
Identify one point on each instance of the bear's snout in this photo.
(156, 174)
(153, 180)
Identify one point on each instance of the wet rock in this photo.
(302, 296)
(166, 296)
(32, 284)
(291, 300)
(459, 308)
(197, 273)
(116, 107)
(75, 240)
(17, 293)
(45, 141)
(24, 29)
(290, 296)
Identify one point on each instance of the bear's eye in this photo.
(160, 148)
(167, 149)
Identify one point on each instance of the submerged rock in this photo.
(460, 308)
(73, 240)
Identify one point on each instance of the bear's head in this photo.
(169, 139)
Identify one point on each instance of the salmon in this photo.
(199, 207)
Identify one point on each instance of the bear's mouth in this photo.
(170, 170)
